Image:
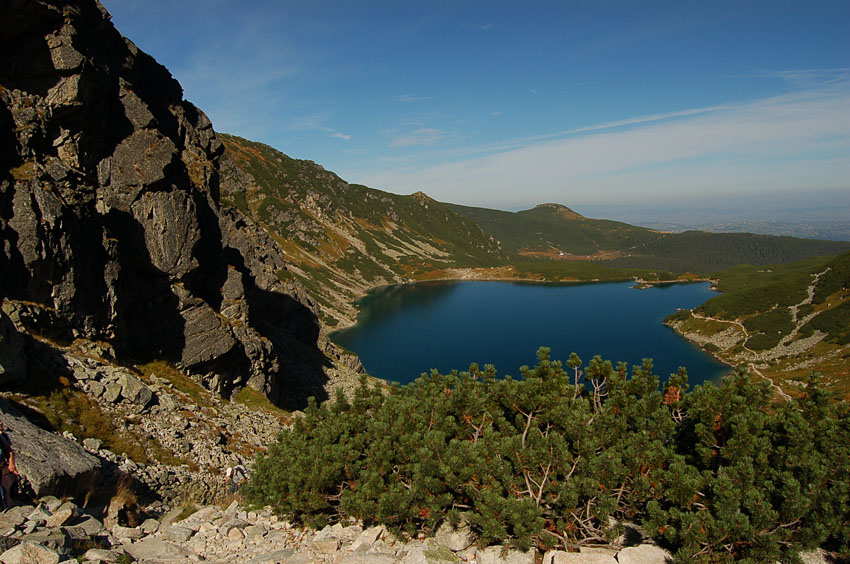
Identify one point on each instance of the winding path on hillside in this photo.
(782, 347)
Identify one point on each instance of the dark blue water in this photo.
(406, 330)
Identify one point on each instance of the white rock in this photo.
(157, 550)
(814, 557)
(644, 554)
(561, 557)
(120, 532)
(368, 559)
(101, 555)
(430, 552)
(493, 555)
(455, 539)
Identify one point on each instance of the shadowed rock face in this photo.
(111, 227)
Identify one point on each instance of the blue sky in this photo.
(609, 107)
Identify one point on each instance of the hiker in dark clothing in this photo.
(8, 470)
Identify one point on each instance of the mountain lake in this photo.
(406, 330)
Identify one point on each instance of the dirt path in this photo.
(782, 348)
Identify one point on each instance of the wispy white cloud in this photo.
(424, 136)
(792, 142)
(407, 98)
(315, 122)
(808, 78)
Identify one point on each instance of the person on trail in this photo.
(8, 470)
(235, 477)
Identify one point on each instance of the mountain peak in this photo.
(561, 209)
(422, 197)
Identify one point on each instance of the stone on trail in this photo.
(28, 553)
(430, 552)
(368, 559)
(644, 554)
(493, 555)
(159, 551)
(273, 557)
(101, 555)
(561, 557)
(455, 538)
(177, 533)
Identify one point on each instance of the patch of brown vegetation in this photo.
(556, 254)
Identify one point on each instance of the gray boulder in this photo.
(29, 553)
(134, 390)
(52, 464)
(496, 555)
(157, 550)
(644, 554)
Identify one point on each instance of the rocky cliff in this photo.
(111, 227)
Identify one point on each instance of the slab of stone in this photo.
(157, 550)
(253, 531)
(644, 554)
(38, 515)
(75, 533)
(102, 555)
(92, 444)
(133, 533)
(170, 517)
(149, 526)
(814, 557)
(561, 557)
(366, 539)
(55, 539)
(273, 557)
(112, 391)
(59, 518)
(91, 525)
(368, 559)
(455, 538)
(29, 553)
(9, 520)
(135, 390)
(494, 555)
(327, 545)
(430, 552)
(177, 533)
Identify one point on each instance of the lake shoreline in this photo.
(504, 325)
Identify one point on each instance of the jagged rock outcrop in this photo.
(51, 463)
(111, 227)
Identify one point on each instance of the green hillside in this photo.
(345, 238)
(785, 320)
(550, 229)
(706, 253)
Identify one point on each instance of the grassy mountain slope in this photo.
(345, 238)
(786, 320)
(548, 230)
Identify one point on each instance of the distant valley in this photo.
(833, 230)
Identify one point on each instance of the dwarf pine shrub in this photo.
(556, 458)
